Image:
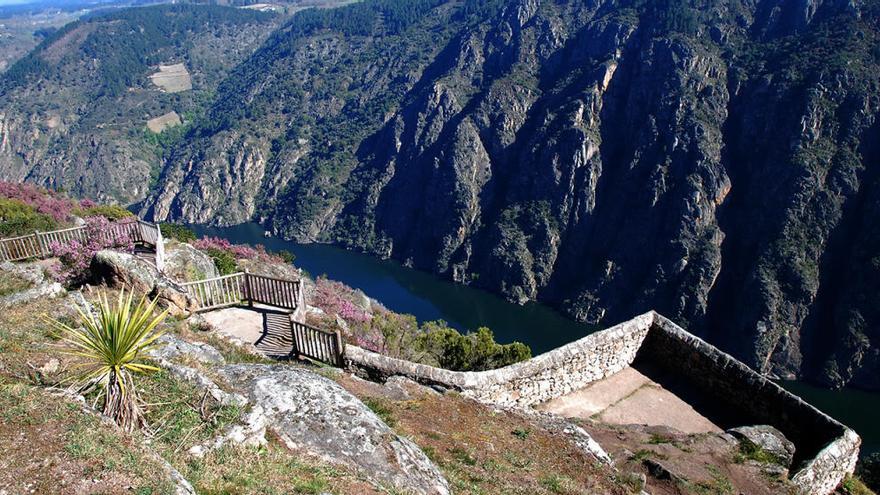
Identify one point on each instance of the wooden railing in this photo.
(219, 292)
(318, 344)
(38, 244)
(243, 287)
(276, 292)
(21, 248)
(237, 288)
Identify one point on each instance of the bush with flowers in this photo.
(43, 201)
(75, 256)
(336, 298)
(400, 335)
(225, 254)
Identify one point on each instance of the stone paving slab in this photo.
(597, 396)
(267, 329)
(630, 397)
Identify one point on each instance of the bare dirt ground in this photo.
(676, 463)
(163, 122)
(172, 78)
(267, 329)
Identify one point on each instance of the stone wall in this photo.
(539, 379)
(826, 449)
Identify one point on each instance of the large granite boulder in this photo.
(767, 438)
(173, 348)
(313, 414)
(117, 269)
(185, 263)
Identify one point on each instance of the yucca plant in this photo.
(112, 346)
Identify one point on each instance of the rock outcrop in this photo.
(186, 263)
(308, 412)
(41, 287)
(768, 439)
(313, 414)
(117, 269)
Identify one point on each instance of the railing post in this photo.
(293, 338)
(340, 349)
(247, 288)
(39, 244)
(300, 311)
(160, 247)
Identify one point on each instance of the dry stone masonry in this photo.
(826, 449)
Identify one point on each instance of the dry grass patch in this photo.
(269, 470)
(27, 343)
(51, 446)
(11, 283)
(482, 451)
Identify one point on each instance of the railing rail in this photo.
(38, 244)
(236, 288)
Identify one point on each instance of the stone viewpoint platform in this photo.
(649, 371)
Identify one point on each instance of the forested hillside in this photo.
(714, 160)
(74, 111)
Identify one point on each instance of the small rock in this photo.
(770, 469)
(50, 367)
(659, 471)
(769, 439)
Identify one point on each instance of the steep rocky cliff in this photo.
(716, 161)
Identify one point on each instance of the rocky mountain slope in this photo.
(74, 112)
(716, 161)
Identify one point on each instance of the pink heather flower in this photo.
(238, 251)
(336, 298)
(370, 340)
(76, 255)
(44, 201)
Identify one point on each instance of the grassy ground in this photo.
(854, 486)
(483, 451)
(10, 284)
(51, 446)
(52, 441)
